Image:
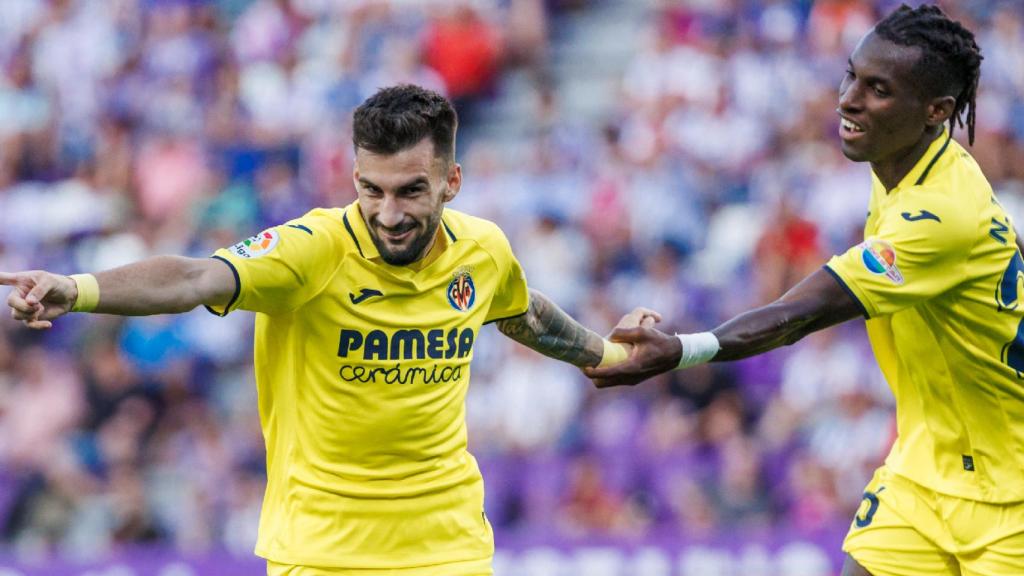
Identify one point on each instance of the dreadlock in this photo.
(950, 62)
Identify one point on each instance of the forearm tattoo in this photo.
(550, 331)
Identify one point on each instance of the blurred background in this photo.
(677, 154)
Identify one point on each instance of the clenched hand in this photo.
(38, 297)
(653, 352)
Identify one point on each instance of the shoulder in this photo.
(326, 221)
(940, 215)
(321, 228)
(938, 201)
(962, 163)
(486, 234)
(959, 181)
(310, 240)
(479, 234)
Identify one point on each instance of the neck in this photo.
(891, 171)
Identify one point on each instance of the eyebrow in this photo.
(870, 79)
(418, 181)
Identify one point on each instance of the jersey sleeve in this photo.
(281, 268)
(917, 253)
(512, 296)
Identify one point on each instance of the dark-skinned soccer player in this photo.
(938, 278)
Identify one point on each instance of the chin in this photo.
(400, 255)
(854, 154)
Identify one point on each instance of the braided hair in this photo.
(950, 62)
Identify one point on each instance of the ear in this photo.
(454, 182)
(940, 110)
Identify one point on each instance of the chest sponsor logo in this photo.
(461, 290)
(259, 245)
(879, 257)
(398, 357)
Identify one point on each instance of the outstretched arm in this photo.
(548, 330)
(815, 303)
(159, 285)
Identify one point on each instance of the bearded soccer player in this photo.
(938, 279)
(366, 319)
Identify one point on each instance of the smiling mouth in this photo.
(850, 127)
(396, 236)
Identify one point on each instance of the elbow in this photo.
(196, 287)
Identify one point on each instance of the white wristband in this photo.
(697, 348)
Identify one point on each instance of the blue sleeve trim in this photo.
(448, 230)
(508, 317)
(238, 289)
(301, 227)
(842, 283)
(352, 233)
(935, 159)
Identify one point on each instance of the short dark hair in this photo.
(950, 63)
(399, 117)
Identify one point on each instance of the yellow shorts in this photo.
(474, 568)
(905, 529)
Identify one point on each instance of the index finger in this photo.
(636, 316)
(8, 279)
(648, 312)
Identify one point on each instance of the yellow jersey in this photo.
(939, 278)
(362, 370)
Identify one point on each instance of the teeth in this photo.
(850, 125)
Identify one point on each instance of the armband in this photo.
(88, 293)
(697, 348)
(613, 354)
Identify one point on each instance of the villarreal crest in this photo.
(461, 291)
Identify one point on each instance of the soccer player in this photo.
(938, 278)
(366, 320)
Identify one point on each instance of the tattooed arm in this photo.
(550, 331)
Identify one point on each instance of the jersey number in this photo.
(871, 499)
(1008, 294)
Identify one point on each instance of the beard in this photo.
(417, 245)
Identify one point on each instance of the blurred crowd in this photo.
(131, 128)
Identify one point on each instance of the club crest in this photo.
(461, 291)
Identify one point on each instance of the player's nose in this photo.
(849, 98)
(391, 213)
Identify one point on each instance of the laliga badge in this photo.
(259, 245)
(879, 257)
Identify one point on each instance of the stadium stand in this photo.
(673, 154)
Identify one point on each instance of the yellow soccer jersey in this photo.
(362, 370)
(939, 277)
